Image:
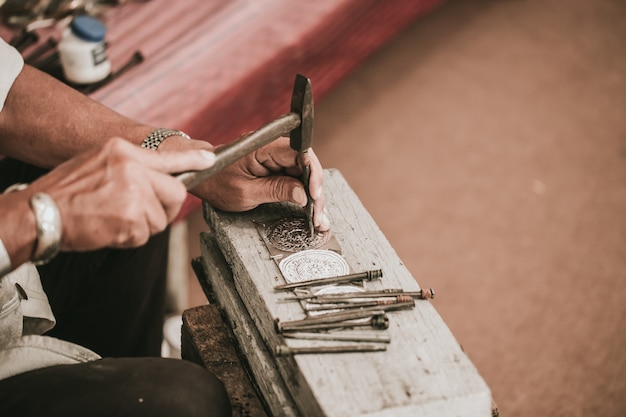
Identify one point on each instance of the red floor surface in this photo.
(489, 143)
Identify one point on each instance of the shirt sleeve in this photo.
(11, 64)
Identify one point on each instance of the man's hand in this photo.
(267, 175)
(118, 195)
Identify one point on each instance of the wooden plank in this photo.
(259, 358)
(207, 341)
(219, 68)
(424, 371)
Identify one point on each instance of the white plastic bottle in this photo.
(83, 52)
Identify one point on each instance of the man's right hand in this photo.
(118, 195)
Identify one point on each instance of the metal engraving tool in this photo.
(301, 139)
(283, 350)
(298, 124)
(359, 276)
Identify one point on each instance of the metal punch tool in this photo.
(298, 123)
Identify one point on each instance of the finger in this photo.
(170, 195)
(320, 217)
(132, 237)
(146, 204)
(180, 161)
(168, 162)
(316, 178)
(278, 156)
(279, 188)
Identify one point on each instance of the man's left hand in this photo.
(267, 175)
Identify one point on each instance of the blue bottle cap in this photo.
(88, 28)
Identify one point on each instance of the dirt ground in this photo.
(488, 141)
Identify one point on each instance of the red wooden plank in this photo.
(227, 67)
(216, 69)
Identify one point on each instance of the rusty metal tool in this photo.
(283, 350)
(340, 316)
(298, 124)
(359, 276)
(424, 294)
(351, 305)
(329, 318)
(340, 337)
(375, 321)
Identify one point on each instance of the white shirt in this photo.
(11, 64)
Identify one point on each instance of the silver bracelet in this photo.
(5, 260)
(154, 139)
(49, 228)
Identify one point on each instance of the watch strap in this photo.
(154, 139)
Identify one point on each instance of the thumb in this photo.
(172, 162)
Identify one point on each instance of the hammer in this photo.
(298, 123)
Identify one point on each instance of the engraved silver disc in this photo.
(293, 235)
(313, 264)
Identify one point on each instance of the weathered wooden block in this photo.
(424, 371)
(206, 340)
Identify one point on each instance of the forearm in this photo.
(45, 122)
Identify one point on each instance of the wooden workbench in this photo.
(424, 372)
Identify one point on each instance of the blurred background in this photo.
(488, 141)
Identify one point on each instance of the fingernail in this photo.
(316, 192)
(325, 222)
(209, 156)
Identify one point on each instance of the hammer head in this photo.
(301, 138)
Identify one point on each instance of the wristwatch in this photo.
(49, 228)
(154, 139)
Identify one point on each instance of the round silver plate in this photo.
(313, 264)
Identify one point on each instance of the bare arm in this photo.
(45, 122)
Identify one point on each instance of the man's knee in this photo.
(138, 387)
(188, 390)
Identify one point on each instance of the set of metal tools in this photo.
(329, 312)
(32, 17)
